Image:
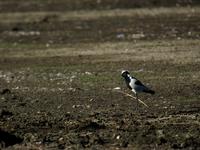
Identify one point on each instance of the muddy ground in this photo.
(60, 71)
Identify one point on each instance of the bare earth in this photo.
(59, 71)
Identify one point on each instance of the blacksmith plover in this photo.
(134, 84)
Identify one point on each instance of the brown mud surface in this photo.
(59, 74)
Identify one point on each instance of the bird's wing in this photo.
(137, 82)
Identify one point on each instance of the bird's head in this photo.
(124, 73)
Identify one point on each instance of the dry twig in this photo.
(126, 94)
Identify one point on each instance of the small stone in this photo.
(88, 106)
(88, 73)
(120, 36)
(118, 137)
(117, 88)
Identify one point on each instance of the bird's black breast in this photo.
(128, 80)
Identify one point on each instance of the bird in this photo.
(135, 85)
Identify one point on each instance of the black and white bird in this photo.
(134, 84)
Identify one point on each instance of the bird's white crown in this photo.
(124, 71)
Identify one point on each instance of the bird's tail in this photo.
(149, 91)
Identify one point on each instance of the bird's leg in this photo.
(137, 101)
